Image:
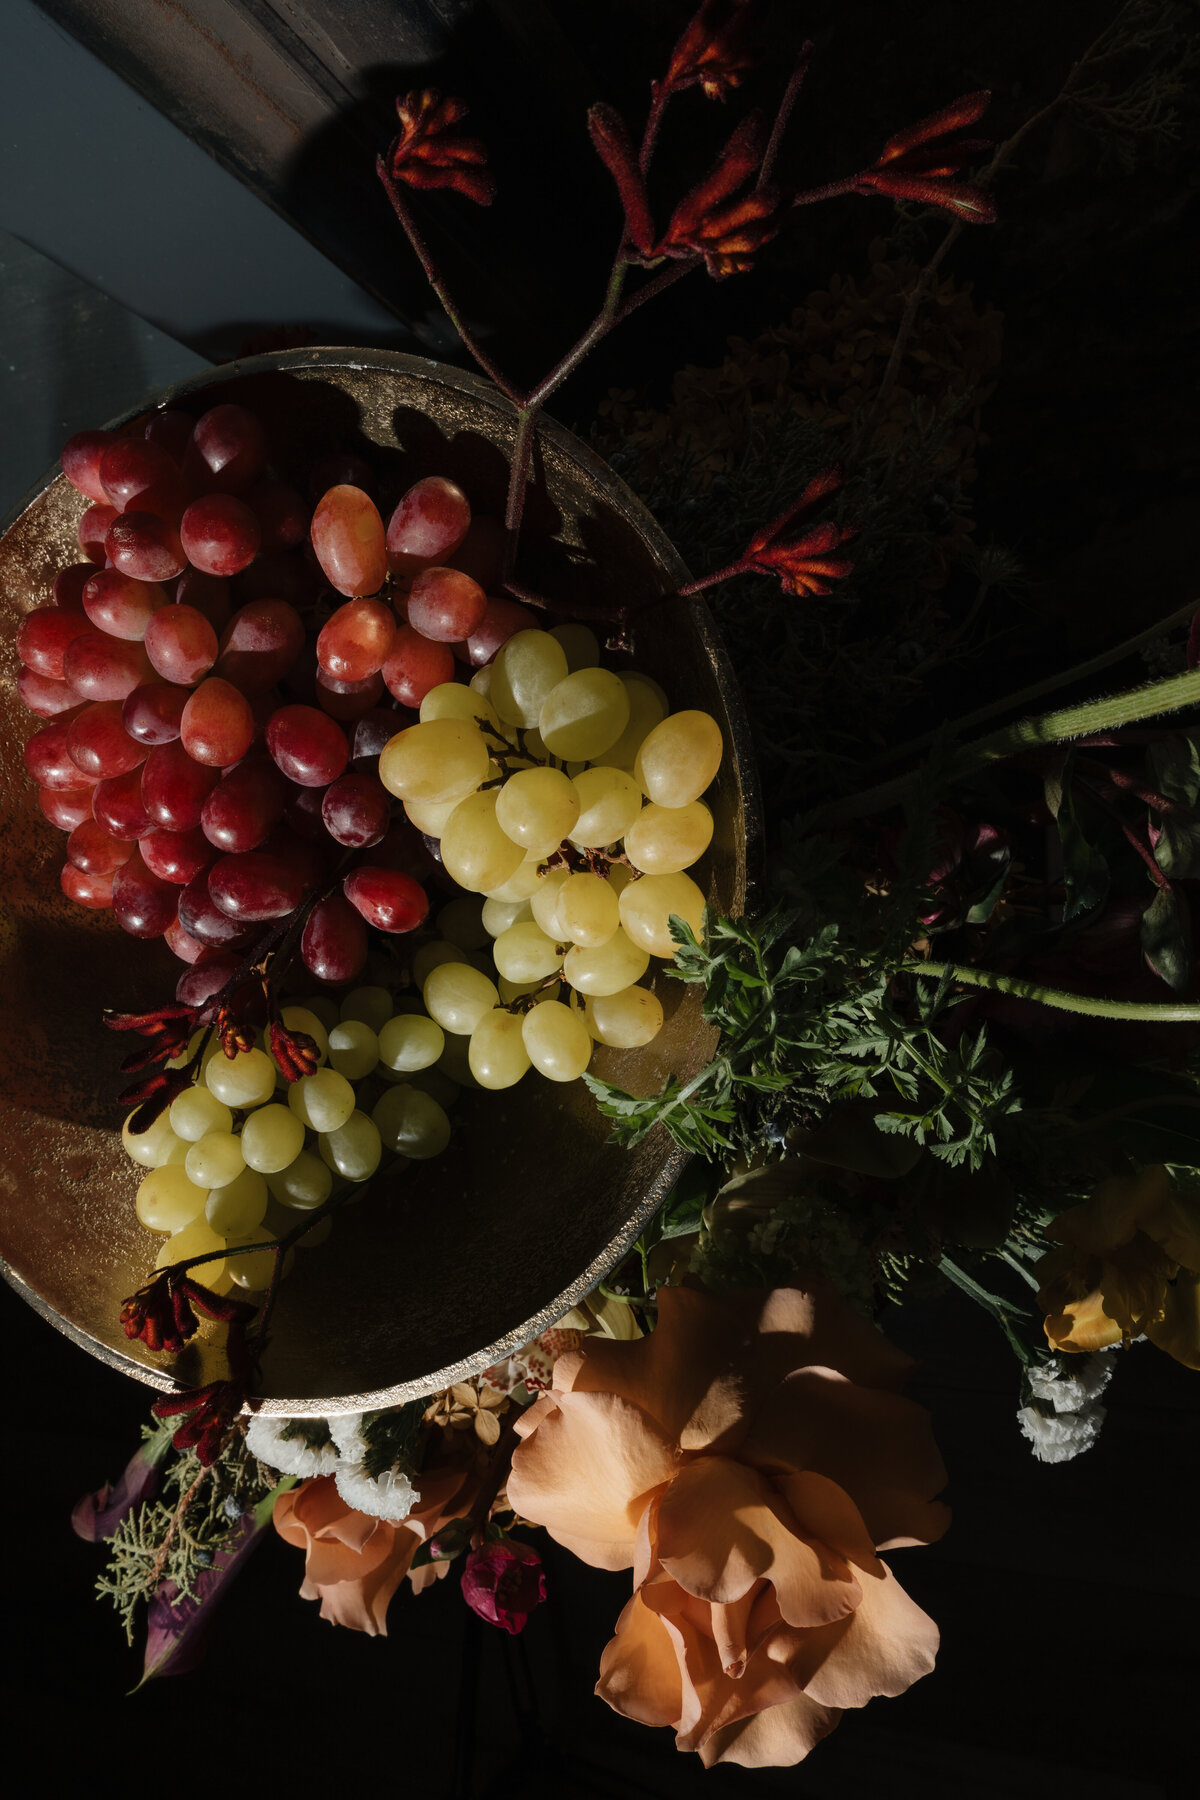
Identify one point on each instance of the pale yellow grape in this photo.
(178, 1153)
(323, 1007)
(457, 996)
(215, 1159)
(253, 1271)
(197, 1111)
(619, 877)
(461, 922)
(353, 1049)
(429, 816)
(609, 801)
(476, 851)
(197, 1239)
(168, 1199)
(238, 1207)
(455, 1061)
(411, 1122)
(429, 957)
(625, 1020)
(520, 886)
(369, 1005)
(498, 1057)
(151, 1148)
(648, 707)
(518, 990)
(481, 682)
(537, 808)
(272, 1137)
(525, 669)
(305, 1183)
(438, 1085)
(544, 904)
(354, 1149)
(647, 905)
(679, 758)
(580, 644)
(411, 1041)
(246, 1079)
(443, 759)
(323, 1101)
(557, 1041)
(498, 915)
(584, 715)
(303, 1018)
(316, 1234)
(588, 911)
(453, 700)
(525, 953)
(615, 965)
(663, 840)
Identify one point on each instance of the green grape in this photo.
(544, 904)
(525, 953)
(445, 759)
(625, 1020)
(664, 840)
(151, 1148)
(647, 905)
(476, 852)
(537, 809)
(438, 1085)
(429, 816)
(430, 957)
(619, 877)
(523, 672)
(197, 1111)
(323, 1101)
(272, 1138)
(323, 1007)
(461, 922)
(411, 1041)
(455, 1061)
(354, 1149)
(451, 700)
(581, 646)
(609, 968)
(519, 990)
(498, 915)
(648, 706)
(679, 758)
(584, 715)
(246, 1079)
(303, 1018)
(215, 1159)
(521, 886)
(168, 1199)
(305, 1183)
(457, 996)
(178, 1153)
(369, 1005)
(497, 1056)
(316, 1234)
(255, 1270)
(557, 1041)
(411, 1122)
(353, 1049)
(588, 911)
(609, 802)
(239, 1206)
(197, 1239)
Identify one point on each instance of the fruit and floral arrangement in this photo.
(413, 827)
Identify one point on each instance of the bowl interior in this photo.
(458, 1260)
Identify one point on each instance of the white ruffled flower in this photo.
(346, 1432)
(290, 1455)
(1065, 1415)
(390, 1496)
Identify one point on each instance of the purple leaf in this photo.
(97, 1516)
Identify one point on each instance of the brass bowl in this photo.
(465, 1258)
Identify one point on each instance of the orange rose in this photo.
(746, 1460)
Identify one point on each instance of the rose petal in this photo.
(826, 1512)
(776, 1738)
(639, 1671)
(881, 1650)
(588, 1469)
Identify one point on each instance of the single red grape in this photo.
(48, 756)
(117, 805)
(260, 644)
(334, 943)
(176, 856)
(187, 948)
(427, 526)
(347, 700)
(92, 530)
(386, 898)
(96, 851)
(244, 805)
(95, 891)
(217, 726)
(81, 462)
(207, 594)
(347, 538)
(45, 697)
(152, 712)
(308, 746)
(121, 606)
(100, 667)
(44, 634)
(99, 745)
(446, 605)
(302, 813)
(501, 620)
(415, 665)
(140, 476)
(181, 644)
(143, 904)
(172, 432)
(175, 787)
(144, 546)
(67, 807)
(281, 512)
(356, 811)
(255, 886)
(228, 450)
(207, 923)
(220, 534)
(355, 641)
(211, 971)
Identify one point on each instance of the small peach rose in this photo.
(746, 1460)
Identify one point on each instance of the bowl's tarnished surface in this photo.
(461, 1259)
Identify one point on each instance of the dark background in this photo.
(155, 220)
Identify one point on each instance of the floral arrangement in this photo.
(956, 1046)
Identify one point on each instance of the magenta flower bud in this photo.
(503, 1582)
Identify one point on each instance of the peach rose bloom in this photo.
(746, 1461)
(354, 1563)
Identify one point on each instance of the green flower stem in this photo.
(1058, 727)
(1172, 1012)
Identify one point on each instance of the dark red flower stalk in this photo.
(234, 1035)
(430, 153)
(161, 1316)
(710, 222)
(806, 564)
(210, 1411)
(715, 49)
(295, 1052)
(614, 147)
(151, 1097)
(917, 163)
(168, 1029)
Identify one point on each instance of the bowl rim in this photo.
(638, 515)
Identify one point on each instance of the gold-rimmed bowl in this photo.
(444, 1269)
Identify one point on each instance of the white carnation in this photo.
(388, 1496)
(1071, 1387)
(1065, 1416)
(290, 1455)
(346, 1432)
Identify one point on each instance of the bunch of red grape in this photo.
(214, 717)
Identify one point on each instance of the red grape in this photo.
(81, 462)
(481, 553)
(281, 513)
(278, 575)
(302, 814)
(446, 605)
(308, 746)
(117, 805)
(95, 891)
(347, 700)
(244, 805)
(44, 696)
(354, 643)
(339, 469)
(347, 537)
(121, 606)
(171, 431)
(181, 644)
(44, 634)
(176, 856)
(92, 530)
(386, 898)
(48, 757)
(206, 922)
(334, 943)
(67, 807)
(356, 811)
(187, 948)
(427, 526)
(220, 534)
(207, 977)
(260, 643)
(207, 594)
(415, 665)
(308, 858)
(152, 712)
(255, 886)
(228, 449)
(99, 745)
(404, 848)
(95, 850)
(217, 726)
(143, 904)
(501, 620)
(174, 787)
(138, 475)
(69, 584)
(144, 546)
(373, 731)
(100, 667)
